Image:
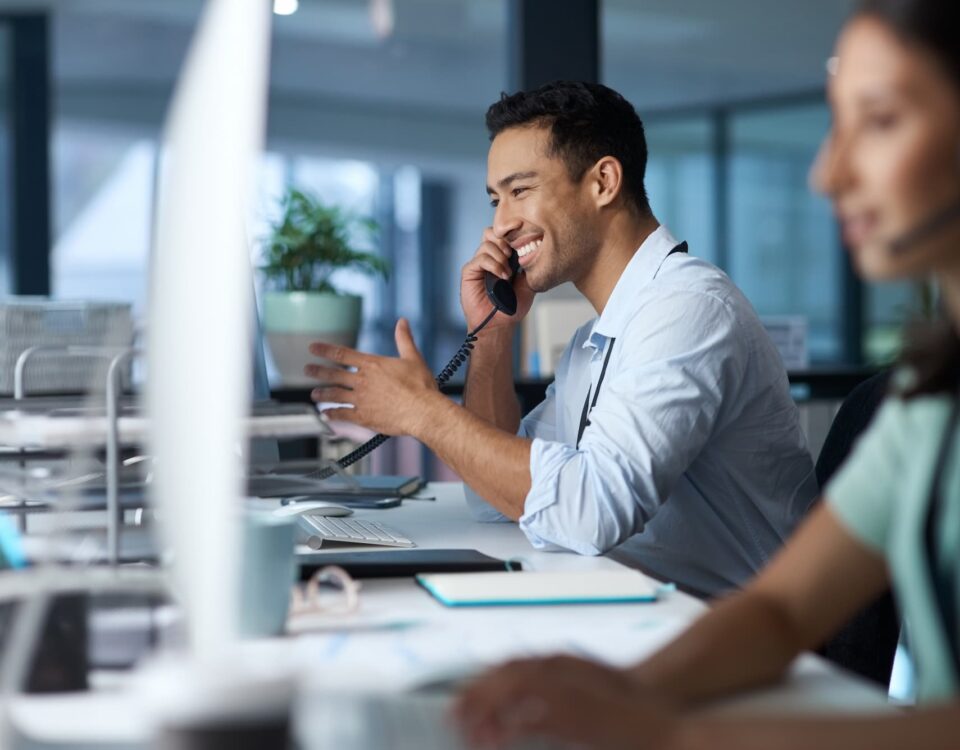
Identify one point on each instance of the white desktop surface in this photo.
(402, 638)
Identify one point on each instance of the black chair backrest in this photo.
(867, 644)
(854, 416)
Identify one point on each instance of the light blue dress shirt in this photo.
(694, 466)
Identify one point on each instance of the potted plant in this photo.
(306, 245)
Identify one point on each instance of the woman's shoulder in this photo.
(925, 406)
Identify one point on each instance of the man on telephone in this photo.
(668, 438)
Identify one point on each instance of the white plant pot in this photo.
(294, 320)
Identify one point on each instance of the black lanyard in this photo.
(587, 406)
(944, 582)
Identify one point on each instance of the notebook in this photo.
(552, 587)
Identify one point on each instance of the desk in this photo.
(441, 642)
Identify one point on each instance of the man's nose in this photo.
(505, 222)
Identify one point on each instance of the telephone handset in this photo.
(502, 296)
(501, 292)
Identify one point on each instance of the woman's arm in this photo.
(926, 729)
(819, 580)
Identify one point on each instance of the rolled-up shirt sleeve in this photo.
(654, 414)
(541, 422)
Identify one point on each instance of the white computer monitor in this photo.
(201, 312)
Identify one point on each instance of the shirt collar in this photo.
(640, 271)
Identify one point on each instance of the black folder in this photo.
(401, 563)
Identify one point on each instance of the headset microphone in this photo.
(927, 229)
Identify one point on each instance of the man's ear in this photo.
(606, 178)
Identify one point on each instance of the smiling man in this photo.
(669, 437)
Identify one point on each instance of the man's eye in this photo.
(495, 203)
(517, 190)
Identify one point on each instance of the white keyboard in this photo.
(321, 529)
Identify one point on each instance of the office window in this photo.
(103, 202)
(783, 246)
(270, 181)
(681, 180)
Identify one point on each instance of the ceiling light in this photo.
(285, 7)
(382, 17)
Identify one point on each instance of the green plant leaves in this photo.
(311, 240)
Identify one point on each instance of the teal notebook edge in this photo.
(421, 579)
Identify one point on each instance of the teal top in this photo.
(882, 496)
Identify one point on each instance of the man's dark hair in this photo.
(587, 121)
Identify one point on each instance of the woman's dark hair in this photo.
(934, 352)
(587, 121)
(933, 355)
(931, 24)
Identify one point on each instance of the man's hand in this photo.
(388, 394)
(564, 698)
(493, 256)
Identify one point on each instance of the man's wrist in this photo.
(499, 337)
(492, 351)
(429, 414)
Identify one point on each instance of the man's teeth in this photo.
(529, 247)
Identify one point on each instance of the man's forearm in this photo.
(490, 390)
(494, 462)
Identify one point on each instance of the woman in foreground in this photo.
(891, 166)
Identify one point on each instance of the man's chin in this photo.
(539, 284)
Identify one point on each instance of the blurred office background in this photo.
(377, 105)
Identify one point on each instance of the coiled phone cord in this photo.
(455, 363)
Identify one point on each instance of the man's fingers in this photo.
(340, 415)
(342, 355)
(331, 375)
(497, 266)
(406, 347)
(486, 254)
(501, 244)
(334, 394)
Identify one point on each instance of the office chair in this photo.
(867, 644)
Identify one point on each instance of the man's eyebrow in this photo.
(511, 178)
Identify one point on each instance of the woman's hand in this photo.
(578, 702)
